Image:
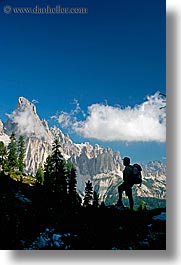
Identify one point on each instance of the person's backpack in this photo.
(137, 176)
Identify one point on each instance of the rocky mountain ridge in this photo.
(99, 164)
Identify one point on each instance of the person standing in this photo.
(127, 183)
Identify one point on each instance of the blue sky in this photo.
(114, 57)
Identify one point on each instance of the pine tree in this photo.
(95, 199)
(21, 154)
(88, 194)
(59, 169)
(3, 156)
(55, 175)
(102, 204)
(40, 174)
(48, 169)
(71, 181)
(12, 153)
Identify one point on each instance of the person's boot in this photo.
(120, 204)
(131, 203)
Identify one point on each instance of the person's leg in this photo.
(120, 192)
(130, 197)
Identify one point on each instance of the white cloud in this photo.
(68, 119)
(145, 122)
(35, 101)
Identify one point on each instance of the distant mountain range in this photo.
(99, 164)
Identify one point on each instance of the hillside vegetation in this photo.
(31, 220)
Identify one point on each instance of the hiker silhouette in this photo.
(127, 183)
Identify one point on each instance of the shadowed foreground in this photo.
(30, 220)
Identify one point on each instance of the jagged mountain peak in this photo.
(25, 121)
(24, 103)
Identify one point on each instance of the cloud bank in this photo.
(143, 123)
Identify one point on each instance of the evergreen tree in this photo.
(95, 199)
(58, 166)
(3, 156)
(40, 174)
(102, 204)
(21, 154)
(54, 172)
(142, 206)
(12, 153)
(48, 169)
(88, 194)
(71, 182)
